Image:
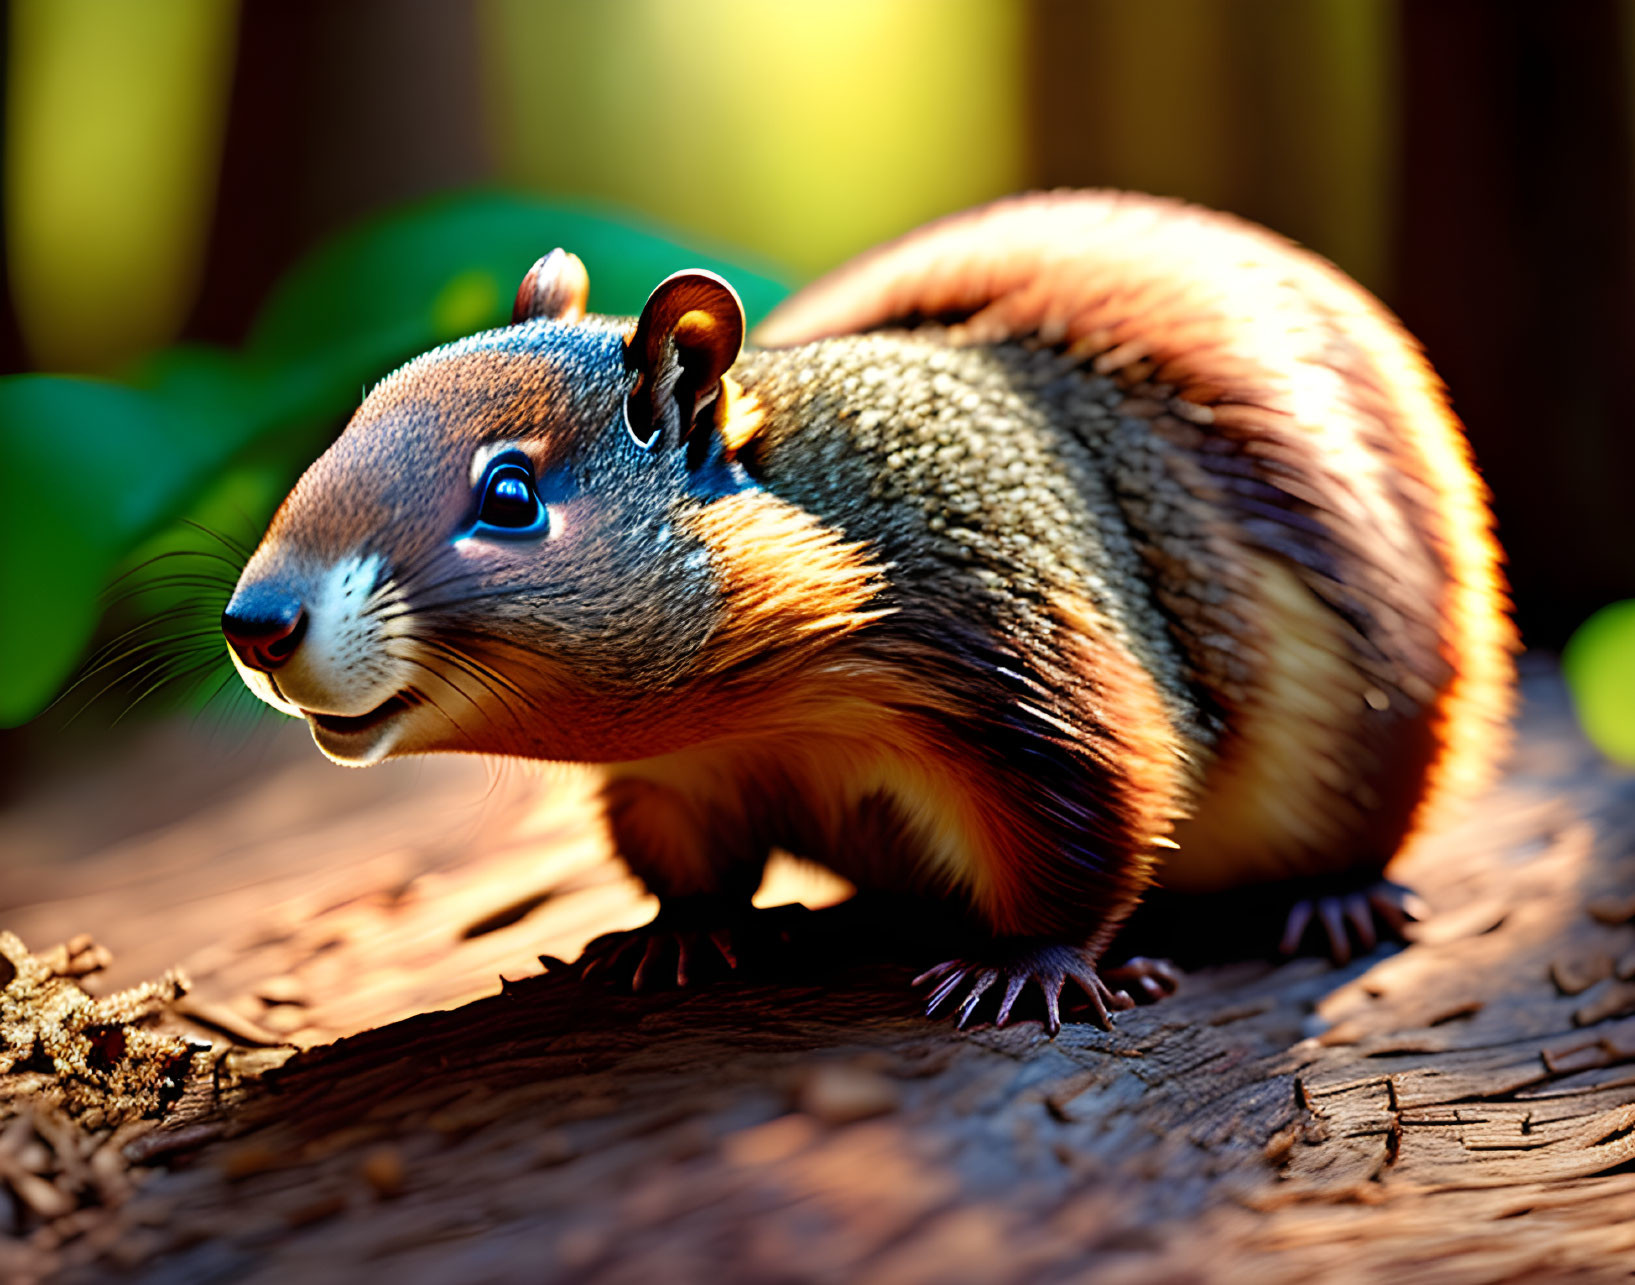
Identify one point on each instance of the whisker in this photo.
(177, 553)
(241, 703)
(177, 612)
(226, 541)
(403, 575)
(520, 657)
(436, 586)
(165, 679)
(461, 656)
(116, 649)
(159, 647)
(454, 658)
(409, 571)
(449, 681)
(482, 639)
(138, 672)
(182, 581)
(209, 700)
(420, 695)
(459, 663)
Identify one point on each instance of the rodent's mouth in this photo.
(360, 739)
(352, 724)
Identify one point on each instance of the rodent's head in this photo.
(501, 553)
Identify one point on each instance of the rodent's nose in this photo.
(264, 627)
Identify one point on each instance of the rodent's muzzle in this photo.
(263, 627)
(317, 642)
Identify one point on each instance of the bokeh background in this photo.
(224, 218)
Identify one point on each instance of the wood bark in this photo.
(1460, 1109)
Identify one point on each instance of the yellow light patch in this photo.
(739, 416)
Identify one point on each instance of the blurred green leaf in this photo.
(1599, 664)
(86, 464)
(382, 286)
(90, 469)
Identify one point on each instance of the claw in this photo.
(1397, 906)
(948, 987)
(607, 957)
(684, 947)
(681, 932)
(1049, 966)
(1013, 988)
(649, 958)
(1104, 1019)
(986, 978)
(1361, 917)
(1051, 985)
(1103, 998)
(1295, 928)
(1388, 910)
(1353, 922)
(1151, 989)
(1339, 945)
(723, 943)
(931, 974)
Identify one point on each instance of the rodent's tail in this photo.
(1275, 349)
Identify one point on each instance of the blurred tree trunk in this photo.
(1515, 270)
(337, 111)
(1281, 111)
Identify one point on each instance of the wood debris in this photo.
(81, 1078)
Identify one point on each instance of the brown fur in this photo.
(1389, 582)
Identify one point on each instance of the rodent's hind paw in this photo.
(1148, 980)
(1050, 967)
(1357, 919)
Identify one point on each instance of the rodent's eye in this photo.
(510, 505)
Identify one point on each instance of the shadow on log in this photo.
(1463, 1108)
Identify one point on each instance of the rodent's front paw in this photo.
(614, 954)
(1049, 966)
(698, 936)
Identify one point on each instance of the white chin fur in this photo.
(358, 749)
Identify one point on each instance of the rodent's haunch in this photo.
(1078, 541)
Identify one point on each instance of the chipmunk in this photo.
(1073, 543)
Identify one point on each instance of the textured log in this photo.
(1464, 1107)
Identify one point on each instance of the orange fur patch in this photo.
(790, 583)
(1144, 757)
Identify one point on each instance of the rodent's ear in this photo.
(557, 288)
(689, 334)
